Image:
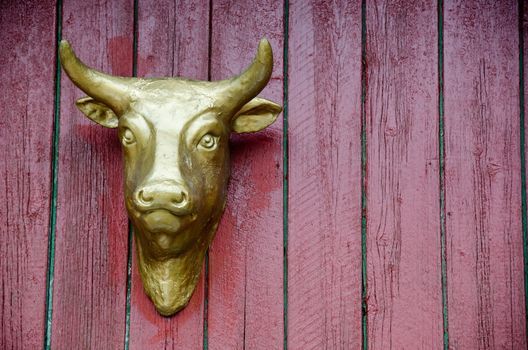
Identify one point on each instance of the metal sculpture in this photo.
(175, 139)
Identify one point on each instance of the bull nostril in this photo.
(179, 197)
(145, 198)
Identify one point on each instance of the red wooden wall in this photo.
(386, 209)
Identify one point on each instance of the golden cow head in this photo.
(175, 138)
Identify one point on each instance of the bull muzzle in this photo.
(163, 195)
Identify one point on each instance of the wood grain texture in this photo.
(523, 17)
(483, 184)
(246, 268)
(27, 66)
(91, 241)
(324, 175)
(404, 294)
(173, 40)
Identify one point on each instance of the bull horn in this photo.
(244, 87)
(112, 91)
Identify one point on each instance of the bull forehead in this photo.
(174, 112)
(173, 102)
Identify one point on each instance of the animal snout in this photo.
(168, 195)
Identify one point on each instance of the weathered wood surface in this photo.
(483, 183)
(324, 175)
(245, 280)
(486, 297)
(169, 47)
(523, 13)
(27, 67)
(404, 292)
(89, 295)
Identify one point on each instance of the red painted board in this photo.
(169, 47)
(483, 176)
(27, 68)
(523, 13)
(89, 295)
(324, 175)
(404, 290)
(246, 268)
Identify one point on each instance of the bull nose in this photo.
(144, 198)
(162, 195)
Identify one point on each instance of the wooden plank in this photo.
(27, 68)
(523, 17)
(404, 294)
(246, 269)
(483, 184)
(91, 242)
(169, 47)
(324, 175)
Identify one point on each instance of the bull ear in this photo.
(98, 112)
(255, 115)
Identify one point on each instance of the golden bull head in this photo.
(175, 138)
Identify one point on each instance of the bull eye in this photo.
(208, 142)
(127, 137)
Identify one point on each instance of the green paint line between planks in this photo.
(364, 319)
(285, 164)
(54, 183)
(441, 156)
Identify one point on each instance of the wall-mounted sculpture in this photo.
(175, 138)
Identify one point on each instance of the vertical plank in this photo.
(91, 240)
(523, 28)
(173, 40)
(324, 175)
(246, 269)
(404, 294)
(483, 184)
(27, 66)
